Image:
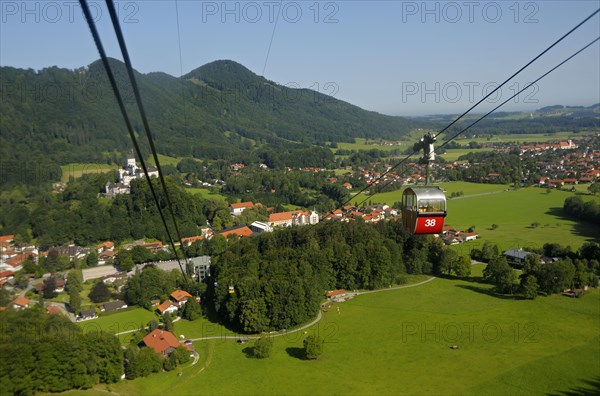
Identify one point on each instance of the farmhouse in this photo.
(113, 306)
(237, 209)
(167, 307)
(516, 255)
(163, 342)
(180, 297)
(21, 303)
(87, 314)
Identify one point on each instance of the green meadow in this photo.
(206, 193)
(454, 154)
(120, 321)
(398, 342)
(76, 170)
(522, 138)
(514, 213)
(364, 144)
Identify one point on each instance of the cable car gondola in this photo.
(423, 210)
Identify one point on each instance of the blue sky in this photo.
(394, 57)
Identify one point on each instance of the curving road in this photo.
(315, 321)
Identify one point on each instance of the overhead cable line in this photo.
(115, 88)
(371, 184)
(138, 98)
(502, 104)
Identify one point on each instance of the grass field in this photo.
(165, 160)
(76, 170)
(522, 138)
(363, 144)
(398, 342)
(206, 193)
(124, 320)
(454, 154)
(513, 211)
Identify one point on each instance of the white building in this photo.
(125, 175)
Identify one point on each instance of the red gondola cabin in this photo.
(423, 210)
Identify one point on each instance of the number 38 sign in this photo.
(429, 225)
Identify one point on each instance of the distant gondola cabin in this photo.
(423, 210)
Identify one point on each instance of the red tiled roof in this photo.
(333, 293)
(7, 238)
(161, 340)
(180, 295)
(6, 274)
(192, 239)
(53, 310)
(163, 307)
(18, 260)
(106, 245)
(239, 231)
(241, 205)
(21, 301)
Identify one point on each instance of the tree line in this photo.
(276, 280)
(48, 353)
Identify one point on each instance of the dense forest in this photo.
(279, 278)
(219, 111)
(48, 353)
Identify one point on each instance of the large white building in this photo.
(124, 177)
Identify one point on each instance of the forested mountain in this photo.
(220, 110)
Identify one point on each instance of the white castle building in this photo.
(124, 177)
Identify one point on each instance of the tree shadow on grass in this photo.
(580, 228)
(491, 292)
(297, 353)
(249, 352)
(593, 389)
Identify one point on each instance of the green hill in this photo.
(221, 110)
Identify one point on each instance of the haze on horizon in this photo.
(397, 58)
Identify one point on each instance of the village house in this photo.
(516, 255)
(105, 246)
(167, 307)
(21, 303)
(293, 218)
(180, 297)
(163, 342)
(237, 209)
(87, 314)
(240, 231)
(113, 306)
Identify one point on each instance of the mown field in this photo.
(398, 342)
(364, 144)
(206, 193)
(454, 154)
(513, 212)
(76, 170)
(522, 138)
